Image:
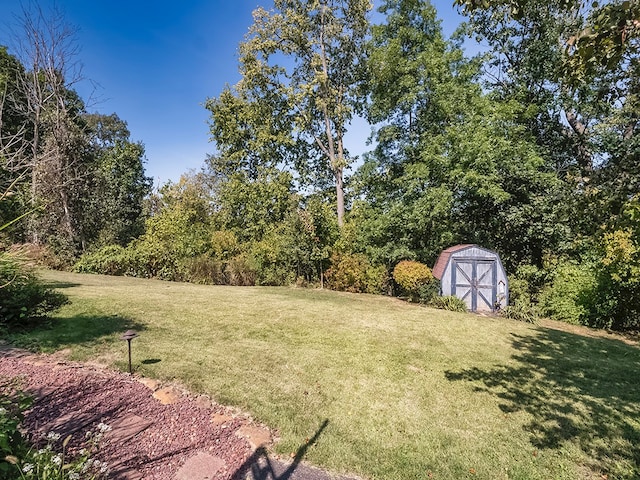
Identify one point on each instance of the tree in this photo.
(112, 202)
(12, 119)
(601, 35)
(453, 164)
(52, 143)
(295, 113)
(80, 173)
(575, 65)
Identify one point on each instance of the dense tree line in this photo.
(530, 149)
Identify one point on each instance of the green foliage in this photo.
(448, 302)
(204, 269)
(223, 244)
(13, 402)
(525, 284)
(522, 312)
(565, 297)
(109, 260)
(250, 207)
(608, 32)
(428, 291)
(615, 302)
(77, 176)
(176, 234)
(352, 272)
(296, 95)
(48, 464)
(411, 277)
(24, 300)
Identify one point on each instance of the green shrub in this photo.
(526, 283)
(13, 402)
(224, 244)
(411, 276)
(274, 259)
(428, 291)
(565, 297)
(109, 260)
(522, 312)
(24, 300)
(614, 302)
(376, 279)
(352, 272)
(449, 302)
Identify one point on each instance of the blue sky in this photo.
(156, 63)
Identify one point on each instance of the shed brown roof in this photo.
(443, 259)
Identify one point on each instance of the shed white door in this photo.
(474, 281)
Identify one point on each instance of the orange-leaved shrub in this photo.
(411, 276)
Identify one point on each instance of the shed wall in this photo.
(478, 254)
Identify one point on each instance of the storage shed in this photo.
(473, 274)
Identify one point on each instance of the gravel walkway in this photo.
(157, 433)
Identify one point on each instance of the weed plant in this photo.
(19, 460)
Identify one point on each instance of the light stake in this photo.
(128, 336)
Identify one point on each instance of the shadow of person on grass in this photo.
(577, 390)
(260, 466)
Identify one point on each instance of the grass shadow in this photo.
(74, 330)
(150, 361)
(58, 284)
(577, 390)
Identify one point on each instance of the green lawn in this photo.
(407, 392)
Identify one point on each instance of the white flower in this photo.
(3, 411)
(104, 468)
(74, 476)
(103, 427)
(87, 466)
(57, 459)
(53, 436)
(27, 467)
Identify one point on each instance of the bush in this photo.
(274, 259)
(240, 271)
(411, 276)
(429, 291)
(526, 283)
(24, 300)
(109, 260)
(565, 297)
(614, 301)
(13, 402)
(41, 255)
(224, 244)
(352, 272)
(204, 269)
(449, 302)
(523, 312)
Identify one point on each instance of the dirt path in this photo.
(157, 432)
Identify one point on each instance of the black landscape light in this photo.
(128, 336)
